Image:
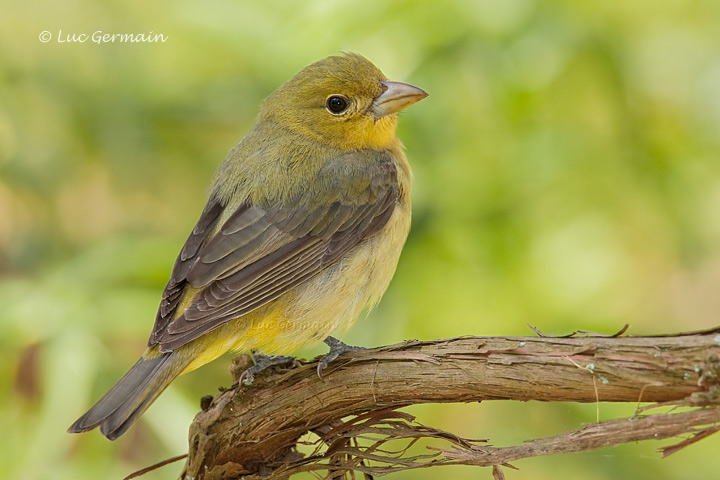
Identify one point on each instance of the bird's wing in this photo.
(261, 252)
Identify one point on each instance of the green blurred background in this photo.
(567, 175)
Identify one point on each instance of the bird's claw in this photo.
(263, 362)
(337, 348)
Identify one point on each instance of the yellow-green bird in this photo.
(302, 232)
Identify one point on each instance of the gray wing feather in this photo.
(261, 252)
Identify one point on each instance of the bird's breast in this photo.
(333, 299)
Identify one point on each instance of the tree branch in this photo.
(253, 432)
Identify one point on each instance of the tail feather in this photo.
(132, 395)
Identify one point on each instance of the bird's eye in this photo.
(336, 104)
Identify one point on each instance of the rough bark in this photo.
(252, 431)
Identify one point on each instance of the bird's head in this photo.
(344, 101)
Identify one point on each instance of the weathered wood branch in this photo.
(253, 431)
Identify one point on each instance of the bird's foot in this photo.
(263, 362)
(337, 348)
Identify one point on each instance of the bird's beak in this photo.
(396, 96)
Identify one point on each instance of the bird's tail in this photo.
(132, 395)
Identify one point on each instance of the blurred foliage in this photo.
(567, 168)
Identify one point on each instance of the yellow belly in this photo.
(309, 313)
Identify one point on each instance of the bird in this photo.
(301, 234)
